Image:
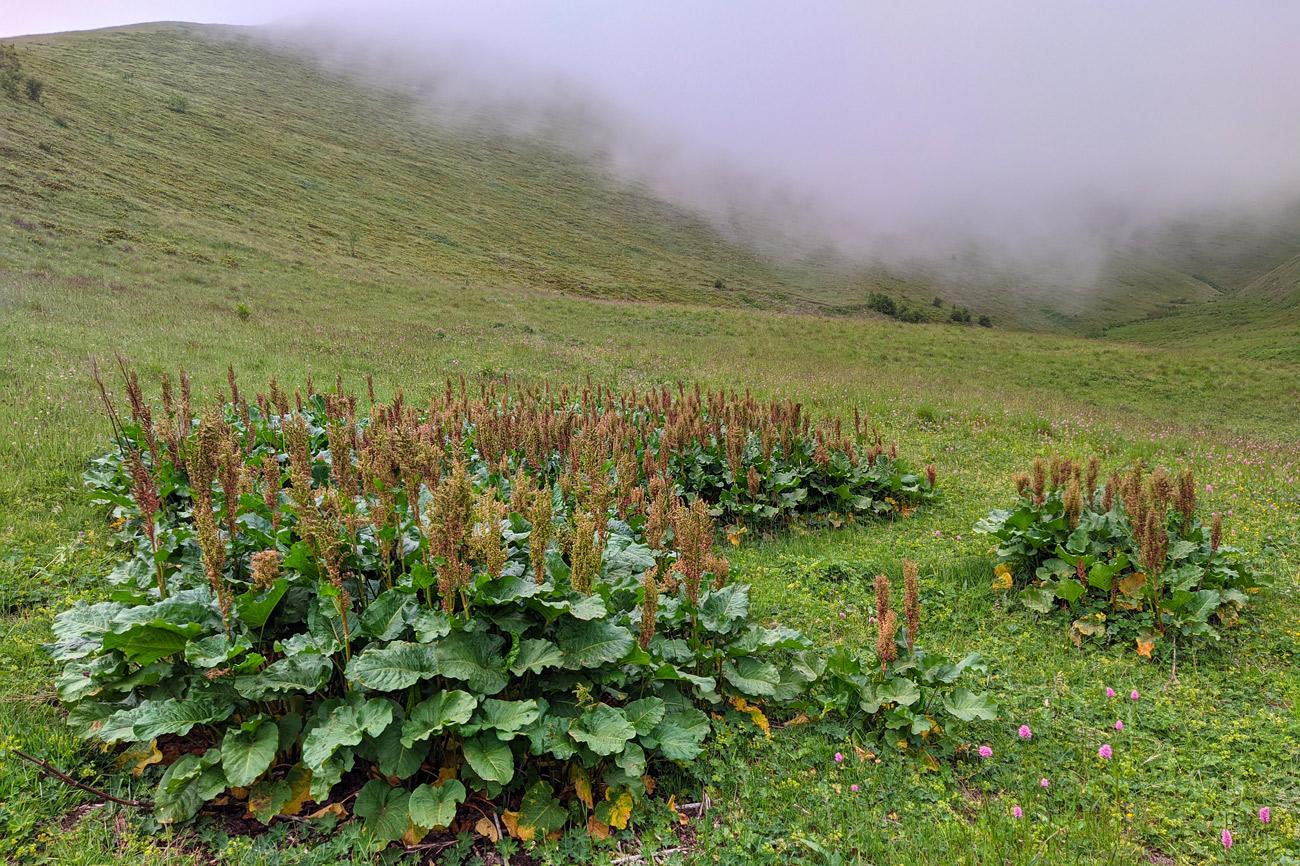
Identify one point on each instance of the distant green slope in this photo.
(1280, 286)
(196, 155)
(1232, 254)
(1261, 321)
(193, 144)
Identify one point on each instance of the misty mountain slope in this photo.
(203, 153)
(1280, 286)
(198, 155)
(1261, 321)
(1230, 255)
(1084, 298)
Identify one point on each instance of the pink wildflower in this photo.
(1104, 751)
(1043, 783)
(839, 758)
(853, 788)
(1226, 838)
(1265, 815)
(1018, 812)
(1110, 693)
(1025, 733)
(1133, 695)
(986, 752)
(1119, 725)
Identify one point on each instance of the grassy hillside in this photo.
(1281, 286)
(233, 248)
(181, 152)
(191, 153)
(1231, 255)
(1261, 321)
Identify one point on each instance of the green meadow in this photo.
(185, 200)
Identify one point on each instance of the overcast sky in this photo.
(1017, 122)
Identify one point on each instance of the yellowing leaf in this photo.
(1002, 577)
(754, 713)
(485, 827)
(581, 785)
(335, 809)
(1144, 647)
(299, 779)
(649, 782)
(139, 756)
(511, 822)
(597, 829)
(930, 761)
(734, 535)
(239, 793)
(801, 719)
(620, 808)
(413, 835)
(1132, 585)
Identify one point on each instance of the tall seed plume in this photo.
(1090, 480)
(1039, 469)
(1185, 498)
(1073, 502)
(649, 607)
(693, 532)
(882, 595)
(539, 514)
(584, 557)
(886, 629)
(1155, 543)
(266, 568)
(911, 601)
(719, 567)
(1161, 488)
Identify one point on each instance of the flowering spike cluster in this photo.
(539, 514)
(719, 567)
(911, 602)
(693, 532)
(1040, 481)
(266, 568)
(649, 607)
(339, 477)
(1022, 481)
(1073, 502)
(489, 512)
(886, 623)
(584, 557)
